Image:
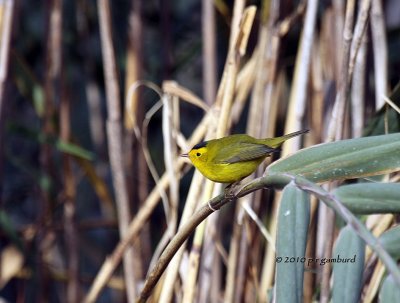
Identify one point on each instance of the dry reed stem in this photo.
(69, 182)
(6, 21)
(244, 83)
(298, 93)
(173, 88)
(210, 263)
(52, 83)
(135, 158)
(332, 21)
(261, 121)
(375, 282)
(335, 129)
(6, 30)
(115, 137)
(209, 51)
(380, 47)
(250, 212)
(232, 260)
(134, 66)
(316, 107)
(71, 235)
(359, 34)
(170, 128)
(337, 22)
(358, 90)
(241, 274)
(384, 221)
(391, 103)
(335, 132)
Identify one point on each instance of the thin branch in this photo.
(391, 103)
(186, 230)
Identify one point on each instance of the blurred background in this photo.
(62, 111)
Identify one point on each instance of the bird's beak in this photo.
(184, 155)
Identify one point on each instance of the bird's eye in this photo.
(198, 154)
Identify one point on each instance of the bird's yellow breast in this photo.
(225, 172)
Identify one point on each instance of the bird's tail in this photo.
(276, 142)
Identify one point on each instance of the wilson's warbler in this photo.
(232, 158)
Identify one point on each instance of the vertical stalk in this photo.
(379, 43)
(5, 36)
(115, 137)
(52, 85)
(70, 230)
(69, 191)
(209, 51)
(135, 159)
(298, 93)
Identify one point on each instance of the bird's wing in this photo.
(241, 152)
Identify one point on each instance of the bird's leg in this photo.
(231, 190)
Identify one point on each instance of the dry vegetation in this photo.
(100, 207)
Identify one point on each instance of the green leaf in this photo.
(346, 159)
(390, 292)
(390, 240)
(293, 220)
(348, 267)
(370, 198)
(36, 135)
(38, 100)
(73, 149)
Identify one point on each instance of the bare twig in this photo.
(391, 103)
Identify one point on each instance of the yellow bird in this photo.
(232, 158)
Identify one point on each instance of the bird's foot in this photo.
(232, 190)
